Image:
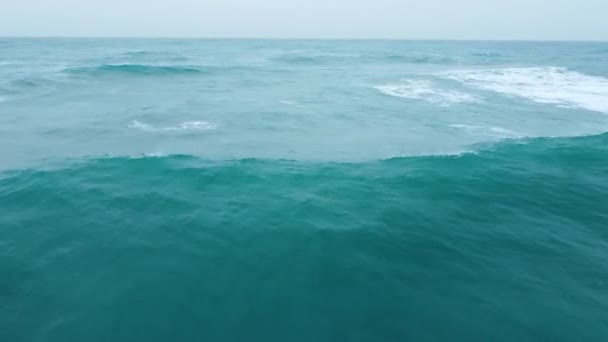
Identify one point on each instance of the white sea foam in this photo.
(184, 126)
(138, 125)
(155, 155)
(149, 155)
(549, 85)
(196, 125)
(497, 132)
(425, 90)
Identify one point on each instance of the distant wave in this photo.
(27, 83)
(600, 51)
(425, 90)
(136, 69)
(296, 59)
(143, 53)
(312, 57)
(549, 85)
(184, 126)
(487, 54)
(419, 58)
(141, 57)
(29, 86)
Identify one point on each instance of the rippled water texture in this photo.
(179, 190)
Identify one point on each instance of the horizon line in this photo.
(309, 38)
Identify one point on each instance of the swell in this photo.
(155, 70)
(136, 69)
(540, 199)
(526, 213)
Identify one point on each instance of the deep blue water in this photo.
(259, 190)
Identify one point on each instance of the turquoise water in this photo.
(157, 190)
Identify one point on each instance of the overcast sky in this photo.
(392, 19)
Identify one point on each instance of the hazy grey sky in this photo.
(409, 19)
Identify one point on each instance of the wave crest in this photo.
(592, 149)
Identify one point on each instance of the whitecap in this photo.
(138, 125)
(149, 155)
(547, 85)
(184, 126)
(425, 90)
(155, 155)
(497, 132)
(195, 125)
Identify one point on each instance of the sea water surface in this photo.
(260, 190)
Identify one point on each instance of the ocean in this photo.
(303, 190)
